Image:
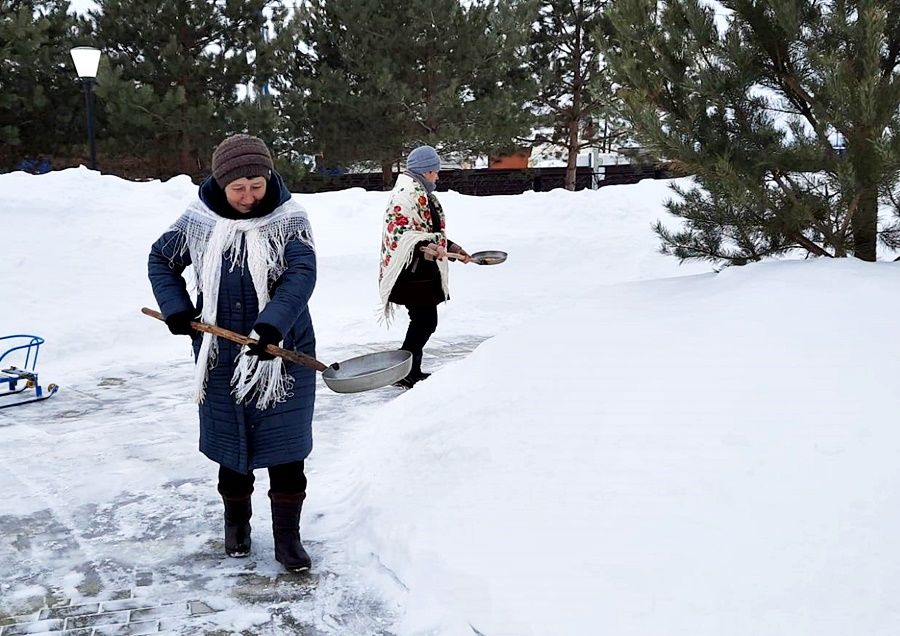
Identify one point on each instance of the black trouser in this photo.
(422, 323)
(283, 479)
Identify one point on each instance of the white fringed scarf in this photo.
(257, 244)
(407, 221)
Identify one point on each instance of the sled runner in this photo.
(21, 347)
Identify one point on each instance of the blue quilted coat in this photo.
(240, 436)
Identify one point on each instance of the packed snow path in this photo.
(146, 555)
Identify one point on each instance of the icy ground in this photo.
(151, 560)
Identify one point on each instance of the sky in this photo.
(632, 446)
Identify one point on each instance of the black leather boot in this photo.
(286, 530)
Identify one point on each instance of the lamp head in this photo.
(87, 59)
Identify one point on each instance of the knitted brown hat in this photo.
(241, 156)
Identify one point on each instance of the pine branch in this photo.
(785, 75)
(893, 200)
(790, 188)
(851, 212)
(807, 244)
(889, 62)
(795, 92)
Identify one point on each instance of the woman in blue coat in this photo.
(251, 250)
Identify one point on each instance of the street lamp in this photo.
(87, 59)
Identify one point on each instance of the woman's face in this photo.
(245, 194)
(431, 176)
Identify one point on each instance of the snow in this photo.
(636, 447)
(671, 459)
(81, 7)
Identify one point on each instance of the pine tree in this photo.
(787, 112)
(576, 100)
(171, 90)
(369, 79)
(41, 107)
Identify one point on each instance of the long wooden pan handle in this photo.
(287, 354)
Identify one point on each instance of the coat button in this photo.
(237, 305)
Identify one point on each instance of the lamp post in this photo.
(87, 59)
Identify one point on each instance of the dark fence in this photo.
(486, 182)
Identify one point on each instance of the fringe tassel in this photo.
(401, 257)
(266, 380)
(259, 245)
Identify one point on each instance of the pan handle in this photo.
(432, 253)
(287, 354)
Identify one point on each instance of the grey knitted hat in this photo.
(241, 156)
(423, 159)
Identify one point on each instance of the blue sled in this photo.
(11, 376)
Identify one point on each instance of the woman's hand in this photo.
(438, 252)
(460, 254)
(179, 323)
(267, 335)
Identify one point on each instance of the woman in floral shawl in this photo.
(414, 250)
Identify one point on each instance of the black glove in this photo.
(179, 323)
(268, 335)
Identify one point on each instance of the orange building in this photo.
(512, 161)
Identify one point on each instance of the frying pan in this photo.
(486, 257)
(362, 373)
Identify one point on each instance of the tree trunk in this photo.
(572, 160)
(575, 114)
(184, 155)
(864, 221)
(865, 225)
(387, 174)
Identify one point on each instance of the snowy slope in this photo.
(694, 456)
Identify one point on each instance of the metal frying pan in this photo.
(362, 373)
(488, 257)
(369, 371)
